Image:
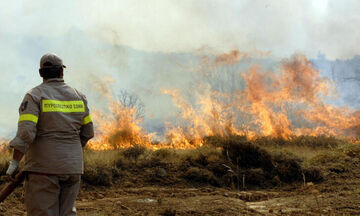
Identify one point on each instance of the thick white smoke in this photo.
(149, 45)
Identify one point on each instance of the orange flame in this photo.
(210, 118)
(118, 127)
(266, 102)
(233, 57)
(283, 103)
(4, 147)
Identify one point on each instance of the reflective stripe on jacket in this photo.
(54, 125)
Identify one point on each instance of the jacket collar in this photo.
(53, 80)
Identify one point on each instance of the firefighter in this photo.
(53, 126)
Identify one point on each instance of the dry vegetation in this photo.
(232, 164)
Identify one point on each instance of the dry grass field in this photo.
(303, 175)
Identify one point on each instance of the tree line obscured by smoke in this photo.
(346, 75)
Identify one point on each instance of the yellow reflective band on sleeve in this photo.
(87, 120)
(28, 117)
(63, 106)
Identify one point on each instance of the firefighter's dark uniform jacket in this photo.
(53, 127)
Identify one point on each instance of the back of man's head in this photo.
(51, 66)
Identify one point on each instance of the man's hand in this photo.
(14, 164)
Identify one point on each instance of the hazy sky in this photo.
(279, 26)
(91, 36)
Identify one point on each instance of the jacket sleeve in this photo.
(87, 128)
(29, 114)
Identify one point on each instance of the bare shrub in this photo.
(134, 152)
(321, 141)
(239, 163)
(247, 155)
(168, 212)
(287, 166)
(99, 176)
(164, 154)
(195, 174)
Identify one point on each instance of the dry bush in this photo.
(226, 162)
(287, 166)
(254, 177)
(99, 167)
(6, 155)
(351, 150)
(245, 154)
(98, 176)
(168, 212)
(264, 166)
(160, 158)
(343, 160)
(199, 175)
(312, 174)
(4, 163)
(202, 156)
(165, 155)
(218, 141)
(134, 152)
(322, 141)
(334, 161)
(121, 162)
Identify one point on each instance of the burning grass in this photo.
(285, 106)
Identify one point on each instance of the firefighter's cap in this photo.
(51, 60)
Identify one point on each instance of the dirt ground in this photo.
(336, 197)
